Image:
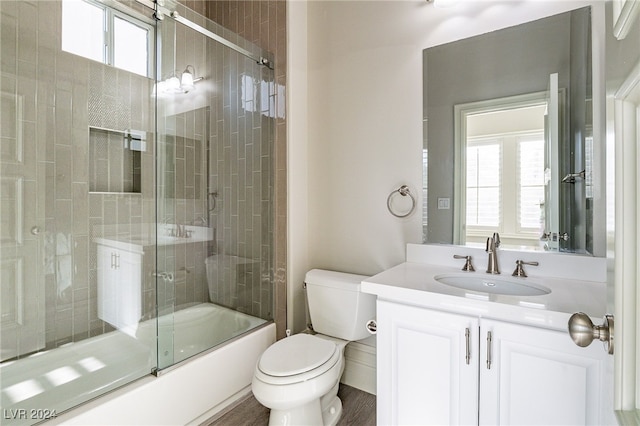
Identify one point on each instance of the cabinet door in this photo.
(423, 374)
(539, 377)
(106, 278)
(129, 290)
(119, 287)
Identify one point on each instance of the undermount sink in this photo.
(493, 284)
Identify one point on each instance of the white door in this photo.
(626, 113)
(431, 364)
(622, 61)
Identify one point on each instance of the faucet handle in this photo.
(519, 272)
(467, 266)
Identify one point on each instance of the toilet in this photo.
(224, 273)
(298, 377)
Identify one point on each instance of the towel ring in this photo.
(404, 191)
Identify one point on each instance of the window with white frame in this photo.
(505, 185)
(100, 33)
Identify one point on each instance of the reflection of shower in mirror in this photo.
(571, 177)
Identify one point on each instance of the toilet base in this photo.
(332, 413)
(308, 414)
(324, 411)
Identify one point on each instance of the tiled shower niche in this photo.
(115, 160)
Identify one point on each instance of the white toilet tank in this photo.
(336, 305)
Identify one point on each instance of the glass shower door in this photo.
(215, 132)
(77, 212)
(22, 193)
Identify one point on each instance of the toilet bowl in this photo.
(292, 378)
(298, 377)
(224, 273)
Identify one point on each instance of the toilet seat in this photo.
(297, 358)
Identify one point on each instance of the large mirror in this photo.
(508, 139)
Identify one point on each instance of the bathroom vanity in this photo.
(455, 354)
(123, 268)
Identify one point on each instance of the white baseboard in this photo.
(223, 408)
(360, 365)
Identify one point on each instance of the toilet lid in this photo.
(295, 355)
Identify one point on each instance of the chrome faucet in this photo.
(492, 249)
(203, 220)
(180, 231)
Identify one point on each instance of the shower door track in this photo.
(162, 11)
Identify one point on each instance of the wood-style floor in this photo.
(358, 408)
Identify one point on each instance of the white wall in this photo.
(355, 82)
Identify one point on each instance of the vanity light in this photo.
(175, 85)
(187, 82)
(172, 85)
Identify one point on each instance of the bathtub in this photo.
(189, 392)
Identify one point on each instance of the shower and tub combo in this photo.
(137, 220)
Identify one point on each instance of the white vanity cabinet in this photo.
(436, 367)
(119, 286)
(422, 373)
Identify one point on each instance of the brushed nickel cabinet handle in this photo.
(467, 337)
(489, 350)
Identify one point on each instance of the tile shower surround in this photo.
(263, 23)
(68, 94)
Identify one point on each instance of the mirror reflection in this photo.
(509, 138)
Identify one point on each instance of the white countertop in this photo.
(136, 243)
(412, 283)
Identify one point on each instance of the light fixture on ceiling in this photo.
(443, 4)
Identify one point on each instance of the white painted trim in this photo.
(461, 111)
(222, 408)
(625, 13)
(360, 367)
(298, 162)
(627, 267)
(630, 85)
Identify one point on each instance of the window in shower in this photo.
(92, 30)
